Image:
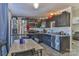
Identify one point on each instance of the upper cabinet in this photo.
(63, 19)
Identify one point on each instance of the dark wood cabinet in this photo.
(62, 20)
(47, 39)
(61, 44)
(65, 44)
(63, 41)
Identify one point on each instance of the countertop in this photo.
(50, 34)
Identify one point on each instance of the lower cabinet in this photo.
(65, 44)
(47, 39)
(40, 37)
(59, 43)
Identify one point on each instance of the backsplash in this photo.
(66, 30)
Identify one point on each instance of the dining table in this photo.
(27, 45)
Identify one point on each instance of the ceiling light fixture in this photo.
(51, 14)
(36, 5)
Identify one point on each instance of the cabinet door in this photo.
(63, 19)
(48, 37)
(57, 20)
(48, 43)
(44, 39)
(65, 44)
(47, 40)
(40, 36)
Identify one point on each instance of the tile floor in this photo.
(51, 52)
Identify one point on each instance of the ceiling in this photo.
(27, 9)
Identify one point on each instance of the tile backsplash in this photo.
(66, 30)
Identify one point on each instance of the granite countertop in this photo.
(56, 34)
(50, 34)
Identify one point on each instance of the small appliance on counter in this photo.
(62, 33)
(44, 30)
(22, 41)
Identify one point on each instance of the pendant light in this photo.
(36, 5)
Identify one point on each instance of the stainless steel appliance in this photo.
(57, 42)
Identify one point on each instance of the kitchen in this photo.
(53, 28)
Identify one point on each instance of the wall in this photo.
(75, 14)
(75, 28)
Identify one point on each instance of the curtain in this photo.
(4, 27)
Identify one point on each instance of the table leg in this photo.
(12, 54)
(1, 52)
(40, 52)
